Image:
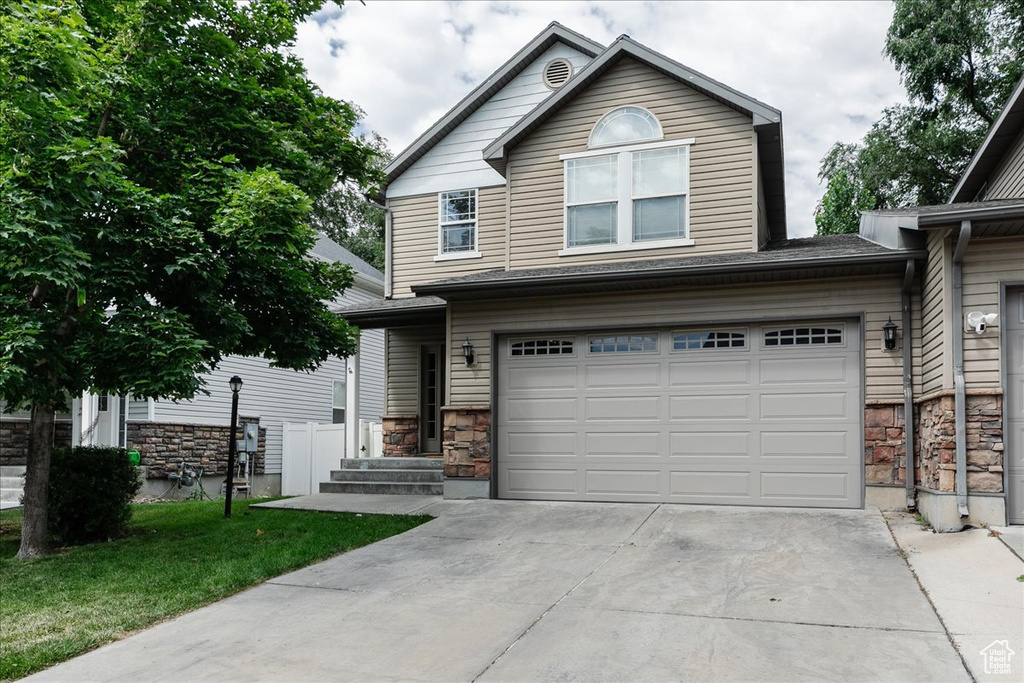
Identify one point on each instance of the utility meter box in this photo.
(251, 437)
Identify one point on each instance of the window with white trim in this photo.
(716, 339)
(634, 196)
(804, 336)
(457, 214)
(541, 347)
(624, 343)
(339, 402)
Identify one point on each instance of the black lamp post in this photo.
(236, 386)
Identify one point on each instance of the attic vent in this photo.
(557, 72)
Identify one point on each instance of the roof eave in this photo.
(526, 285)
(985, 159)
(997, 213)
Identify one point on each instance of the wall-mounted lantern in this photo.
(889, 332)
(467, 351)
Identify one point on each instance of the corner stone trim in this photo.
(885, 460)
(401, 435)
(467, 441)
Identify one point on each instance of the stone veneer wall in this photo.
(467, 441)
(401, 435)
(14, 440)
(163, 445)
(885, 460)
(936, 442)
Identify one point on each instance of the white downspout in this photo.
(959, 383)
(388, 257)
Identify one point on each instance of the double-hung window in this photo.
(627, 193)
(457, 224)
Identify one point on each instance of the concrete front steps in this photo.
(11, 486)
(406, 476)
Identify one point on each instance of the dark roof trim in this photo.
(930, 217)
(529, 285)
(407, 312)
(767, 120)
(1003, 133)
(554, 33)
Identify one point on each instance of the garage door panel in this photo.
(806, 486)
(535, 379)
(699, 408)
(632, 376)
(753, 426)
(540, 443)
(622, 482)
(704, 486)
(540, 409)
(703, 444)
(704, 372)
(622, 444)
(816, 406)
(614, 409)
(806, 370)
(793, 444)
(526, 480)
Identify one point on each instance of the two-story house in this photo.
(590, 295)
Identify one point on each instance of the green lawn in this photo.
(179, 556)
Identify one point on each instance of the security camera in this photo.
(978, 321)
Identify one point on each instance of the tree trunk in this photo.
(35, 540)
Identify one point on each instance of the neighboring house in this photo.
(166, 432)
(591, 295)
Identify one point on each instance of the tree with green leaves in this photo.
(959, 61)
(158, 164)
(353, 219)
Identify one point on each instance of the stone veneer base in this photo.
(466, 488)
(941, 512)
(262, 485)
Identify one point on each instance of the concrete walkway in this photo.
(971, 578)
(507, 591)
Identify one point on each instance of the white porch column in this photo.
(352, 407)
(76, 421)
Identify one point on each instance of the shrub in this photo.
(91, 489)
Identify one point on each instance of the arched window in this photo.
(625, 124)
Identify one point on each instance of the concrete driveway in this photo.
(495, 590)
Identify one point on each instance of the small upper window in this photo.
(457, 221)
(625, 124)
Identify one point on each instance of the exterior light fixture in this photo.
(236, 385)
(889, 330)
(467, 351)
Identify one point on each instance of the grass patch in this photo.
(177, 557)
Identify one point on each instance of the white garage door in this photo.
(1015, 404)
(756, 415)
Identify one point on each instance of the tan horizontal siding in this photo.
(403, 367)
(877, 298)
(988, 263)
(933, 315)
(414, 231)
(722, 186)
(1007, 181)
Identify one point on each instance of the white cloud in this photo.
(821, 63)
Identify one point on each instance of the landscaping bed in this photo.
(177, 557)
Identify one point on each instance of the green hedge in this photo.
(91, 490)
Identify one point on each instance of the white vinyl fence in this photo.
(309, 452)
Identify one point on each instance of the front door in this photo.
(431, 398)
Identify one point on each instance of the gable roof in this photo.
(767, 120)
(328, 249)
(554, 33)
(1003, 133)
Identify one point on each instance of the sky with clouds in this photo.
(407, 63)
